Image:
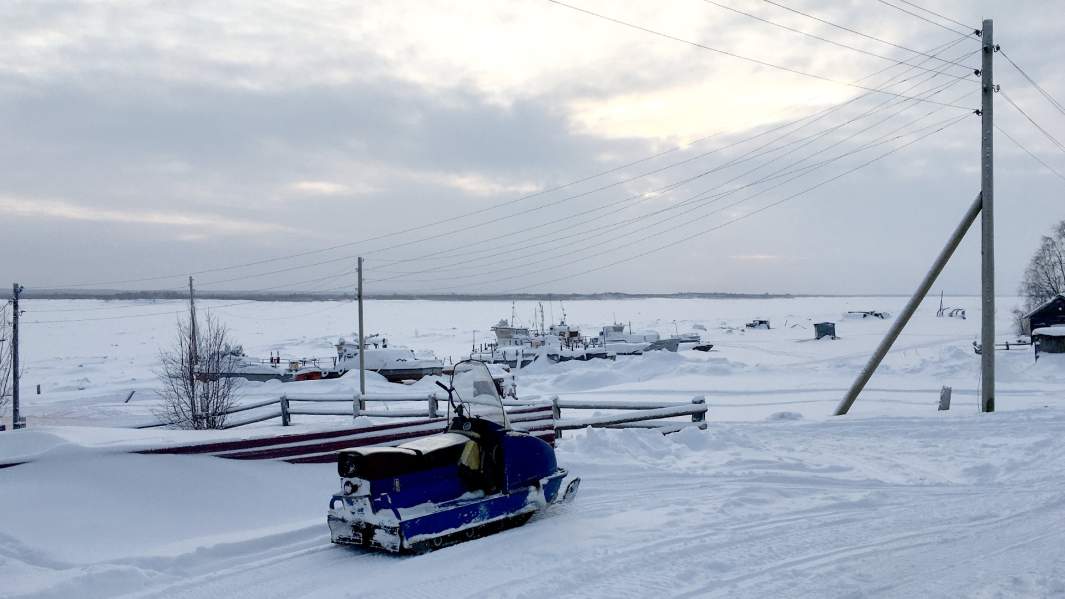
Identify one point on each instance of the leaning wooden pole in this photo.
(911, 307)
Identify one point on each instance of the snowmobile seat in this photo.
(373, 463)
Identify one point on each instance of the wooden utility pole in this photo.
(193, 346)
(16, 419)
(987, 222)
(983, 206)
(362, 346)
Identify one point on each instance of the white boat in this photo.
(613, 338)
(518, 347)
(395, 363)
(240, 365)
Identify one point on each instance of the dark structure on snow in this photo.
(1049, 340)
(1049, 314)
(825, 329)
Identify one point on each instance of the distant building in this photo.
(1051, 313)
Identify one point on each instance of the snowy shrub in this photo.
(196, 392)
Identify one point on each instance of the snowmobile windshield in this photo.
(475, 393)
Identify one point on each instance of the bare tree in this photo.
(1044, 277)
(196, 393)
(5, 361)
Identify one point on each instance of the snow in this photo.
(1054, 331)
(775, 498)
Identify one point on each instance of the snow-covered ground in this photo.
(776, 498)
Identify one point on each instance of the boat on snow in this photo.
(613, 337)
(395, 363)
(238, 365)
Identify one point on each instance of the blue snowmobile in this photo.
(477, 477)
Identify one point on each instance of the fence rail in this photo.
(656, 415)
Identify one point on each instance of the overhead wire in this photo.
(574, 224)
(1053, 101)
(729, 53)
(921, 17)
(858, 33)
(827, 40)
(1031, 120)
(384, 236)
(648, 229)
(291, 256)
(702, 195)
(447, 253)
(941, 16)
(942, 47)
(690, 237)
(1030, 153)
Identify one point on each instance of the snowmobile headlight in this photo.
(349, 487)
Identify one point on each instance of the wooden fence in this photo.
(629, 414)
(542, 418)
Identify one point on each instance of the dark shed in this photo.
(1049, 314)
(824, 329)
(1049, 340)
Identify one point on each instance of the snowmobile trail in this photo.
(880, 507)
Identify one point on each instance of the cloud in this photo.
(207, 122)
(67, 211)
(328, 188)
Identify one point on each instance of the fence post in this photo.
(433, 407)
(286, 419)
(362, 403)
(699, 416)
(356, 405)
(556, 415)
(944, 398)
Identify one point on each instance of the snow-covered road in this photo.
(945, 506)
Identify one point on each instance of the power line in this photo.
(743, 216)
(1053, 101)
(701, 197)
(808, 118)
(941, 16)
(449, 254)
(1030, 153)
(703, 201)
(437, 223)
(734, 55)
(859, 33)
(1032, 121)
(921, 17)
(829, 41)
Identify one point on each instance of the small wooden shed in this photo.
(825, 329)
(1049, 340)
(1051, 313)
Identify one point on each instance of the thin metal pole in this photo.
(987, 222)
(910, 308)
(362, 347)
(193, 358)
(16, 290)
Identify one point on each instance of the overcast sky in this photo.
(149, 139)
